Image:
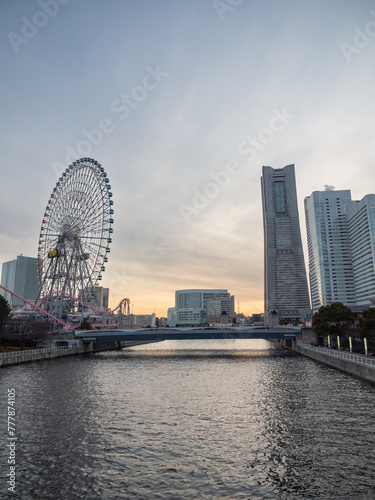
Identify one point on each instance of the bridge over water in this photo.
(196, 333)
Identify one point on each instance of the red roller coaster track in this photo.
(37, 308)
(124, 307)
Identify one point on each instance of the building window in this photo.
(280, 196)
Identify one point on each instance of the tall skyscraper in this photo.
(286, 295)
(20, 276)
(330, 261)
(361, 224)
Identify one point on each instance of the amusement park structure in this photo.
(75, 237)
(73, 248)
(123, 309)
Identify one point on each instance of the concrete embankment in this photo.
(16, 357)
(358, 365)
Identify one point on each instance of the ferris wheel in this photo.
(75, 236)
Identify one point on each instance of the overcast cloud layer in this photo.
(205, 78)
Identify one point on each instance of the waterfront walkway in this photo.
(362, 359)
(359, 365)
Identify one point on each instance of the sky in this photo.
(183, 102)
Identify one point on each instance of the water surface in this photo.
(191, 420)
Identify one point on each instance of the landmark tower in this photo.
(286, 295)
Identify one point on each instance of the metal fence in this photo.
(355, 358)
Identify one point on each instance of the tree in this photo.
(39, 330)
(26, 332)
(85, 325)
(16, 332)
(366, 322)
(5, 309)
(333, 319)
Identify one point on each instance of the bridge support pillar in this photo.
(89, 347)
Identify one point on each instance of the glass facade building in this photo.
(20, 276)
(286, 295)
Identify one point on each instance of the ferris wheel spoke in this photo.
(83, 237)
(92, 210)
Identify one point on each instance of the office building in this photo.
(161, 322)
(185, 317)
(286, 295)
(201, 306)
(106, 298)
(361, 225)
(144, 320)
(136, 320)
(102, 296)
(20, 276)
(98, 297)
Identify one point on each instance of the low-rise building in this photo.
(201, 306)
(185, 316)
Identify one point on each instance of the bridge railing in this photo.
(356, 358)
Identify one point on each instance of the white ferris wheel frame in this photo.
(75, 237)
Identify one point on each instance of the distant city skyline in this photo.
(182, 103)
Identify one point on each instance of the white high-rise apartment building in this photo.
(361, 224)
(20, 276)
(330, 262)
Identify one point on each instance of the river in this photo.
(189, 420)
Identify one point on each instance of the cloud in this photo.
(225, 80)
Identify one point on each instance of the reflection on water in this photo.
(180, 419)
(208, 345)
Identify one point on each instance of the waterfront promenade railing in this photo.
(355, 358)
(15, 357)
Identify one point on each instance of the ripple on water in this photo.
(205, 424)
